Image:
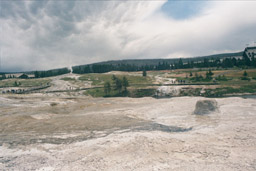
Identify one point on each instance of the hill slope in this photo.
(141, 62)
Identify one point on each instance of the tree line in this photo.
(38, 74)
(50, 73)
(205, 63)
(102, 68)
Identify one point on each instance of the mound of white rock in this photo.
(206, 107)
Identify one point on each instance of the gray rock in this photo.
(206, 107)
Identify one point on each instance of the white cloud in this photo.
(44, 35)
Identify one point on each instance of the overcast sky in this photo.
(36, 35)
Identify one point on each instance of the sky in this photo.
(41, 35)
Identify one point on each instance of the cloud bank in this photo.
(37, 35)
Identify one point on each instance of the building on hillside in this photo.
(237, 57)
(250, 52)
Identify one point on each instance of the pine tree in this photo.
(144, 74)
(209, 75)
(210, 72)
(36, 74)
(190, 74)
(125, 83)
(3, 76)
(196, 77)
(16, 84)
(107, 88)
(118, 84)
(114, 77)
(180, 63)
(245, 74)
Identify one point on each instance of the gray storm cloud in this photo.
(39, 35)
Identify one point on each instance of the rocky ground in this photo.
(43, 132)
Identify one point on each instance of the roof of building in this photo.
(250, 48)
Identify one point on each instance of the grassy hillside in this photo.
(24, 82)
(100, 79)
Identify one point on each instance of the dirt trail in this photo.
(58, 84)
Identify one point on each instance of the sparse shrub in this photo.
(221, 78)
(245, 78)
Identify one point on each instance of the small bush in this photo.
(221, 78)
(245, 78)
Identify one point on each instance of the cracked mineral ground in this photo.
(43, 132)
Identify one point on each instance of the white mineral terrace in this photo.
(40, 132)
